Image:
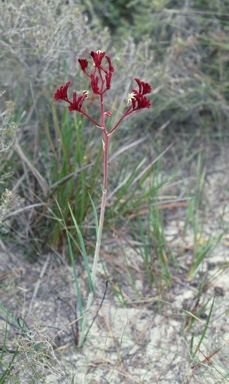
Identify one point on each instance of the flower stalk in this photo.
(100, 80)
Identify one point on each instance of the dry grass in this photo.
(157, 319)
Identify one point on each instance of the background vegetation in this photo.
(50, 157)
(181, 49)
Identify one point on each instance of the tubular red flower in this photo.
(144, 88)
(139, 101)
(83, 64)
(61, 93)
(76, 104)
(94, 84)
(111, 68)
(101, 76)
(138, 98)
(108, 77)
(97, 57)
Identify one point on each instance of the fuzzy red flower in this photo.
(111, 68)
(144, 88)
(97, 57)
(76, 104)
(101, 76)
(94, 84)
(139, 101)
(108, 77)
(83, 64)
(138, 98)
(61, 93)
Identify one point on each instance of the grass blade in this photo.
(83, 249)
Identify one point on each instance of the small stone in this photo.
(218, 291)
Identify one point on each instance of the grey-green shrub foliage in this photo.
(190, 41)
(40, 42)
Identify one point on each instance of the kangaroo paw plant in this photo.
(100, 81)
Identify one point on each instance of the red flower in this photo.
(101, 76)
(138, 98)
(108, 77)
(94, 84)
(97, 57)
(111, 68)
(61, 93)
(76, 104)
(144, 88)
(83, 64)
(139, 101)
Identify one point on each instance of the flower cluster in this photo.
(100, 80)
(100, 77)
(138, 98)
(76, 103)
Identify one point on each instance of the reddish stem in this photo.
(128, 112)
